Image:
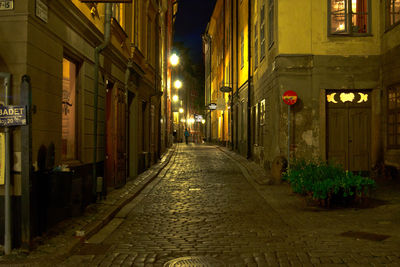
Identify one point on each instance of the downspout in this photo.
(97, 51)
(237, 69)
(210, 41)
(127, 75)
(249, 82)
(231, 54)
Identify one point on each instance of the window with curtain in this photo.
(393, 120)
(68, 116)
(271, 24)
(262, 31)
(349, 17)
(392, 12)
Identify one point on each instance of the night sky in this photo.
(191, 22)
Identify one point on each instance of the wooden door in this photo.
(121, 155)
(115, 136)
(359, 138)
(337, 139)
(349, 129)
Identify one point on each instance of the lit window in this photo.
(349, 16)
(255, 46)
(68, 150)
(392, 12)
(393, 122)
(262, 32)
(271, 23)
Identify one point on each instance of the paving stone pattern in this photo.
(204, 206)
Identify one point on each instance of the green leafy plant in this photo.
(327, 182)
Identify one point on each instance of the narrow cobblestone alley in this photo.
(205, 206)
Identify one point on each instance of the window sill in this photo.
(350, 35)
(391, 27)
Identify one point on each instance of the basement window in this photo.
(349, 17)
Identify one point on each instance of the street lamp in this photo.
(180, 110)
(174, 59)
(175, 98)
(177, 84)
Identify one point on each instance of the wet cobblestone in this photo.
(204, 205)
(209, 201)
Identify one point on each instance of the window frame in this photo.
(262, 31)
(271, 24)
(255, 45)
(388, 25)
(77, 63)
(396, 112)
(348, 19)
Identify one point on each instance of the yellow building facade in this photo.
(114, 128)
(339, 56)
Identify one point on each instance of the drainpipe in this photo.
(210, 42)
(127, 75)
(231, 55)
(249, 83)
(237, 71)
(97, 51)
(7, 190)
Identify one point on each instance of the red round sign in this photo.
(289, 97)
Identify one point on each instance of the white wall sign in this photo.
(41, 10)
(6, 4)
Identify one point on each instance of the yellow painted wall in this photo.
(294, 20)
(243, 26)
(295, 36)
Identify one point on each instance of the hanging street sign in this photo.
(6, 4)
(106, 1)
(225, 89)
(12, 116)
(289, 97)
(212, 106)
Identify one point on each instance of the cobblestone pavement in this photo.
(208, 203)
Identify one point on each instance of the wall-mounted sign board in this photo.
(12, 116)
(6, 4)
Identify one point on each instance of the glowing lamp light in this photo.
(175, 98)
(181, 110)
(191, 120)
(203, 121)
(177, 84)
(183, 120)
(174, 59)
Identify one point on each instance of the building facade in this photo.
(339, 56)
(114, 128)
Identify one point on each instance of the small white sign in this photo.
(6, 4)
(41, 10)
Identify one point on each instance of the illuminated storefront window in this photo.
(68, 150)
